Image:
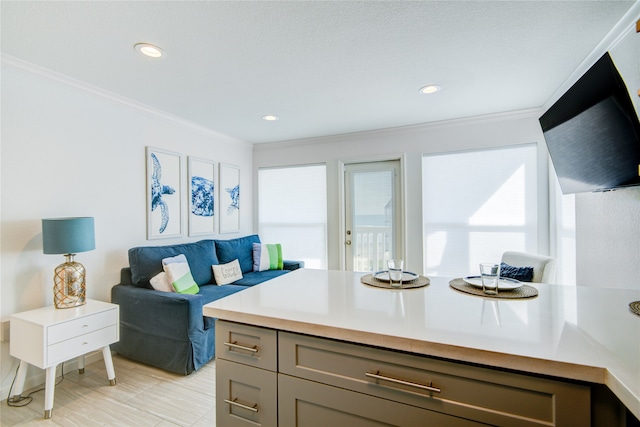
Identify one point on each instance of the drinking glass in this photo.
(395, 271)
(489, 273)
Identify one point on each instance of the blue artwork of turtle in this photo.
(234, 193)
(202, 196)
(157, 191)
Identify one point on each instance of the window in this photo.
(292, 211)
(563, 222)
(477, 205)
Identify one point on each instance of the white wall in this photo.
(608, 224)
(409, 143)
(71, 150)
(608, 239)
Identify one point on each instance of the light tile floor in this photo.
(143, 396)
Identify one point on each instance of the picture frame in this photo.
(229, 198)
(164, 193)
(202, 196)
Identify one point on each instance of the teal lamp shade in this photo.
(68, 236)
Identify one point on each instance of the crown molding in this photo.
(531, 113)
(22, 65)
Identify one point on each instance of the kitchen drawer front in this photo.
(249, 345)
(76, 327)
(303, 403)
(487, 395)
(80, 345)
(245, 396)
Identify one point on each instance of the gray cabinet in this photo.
(246, 377)
(319, 381)
(304, 403)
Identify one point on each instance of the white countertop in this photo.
(578, 333)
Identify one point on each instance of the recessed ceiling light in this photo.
(430, 89)
(270, 118)
(149, 50)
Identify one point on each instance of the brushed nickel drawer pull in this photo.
(241, 347)
(403, 382)
(234, 402)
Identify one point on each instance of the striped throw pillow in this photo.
(179, 273)
(267, 257)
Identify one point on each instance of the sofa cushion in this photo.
(227, 273)
(240, 249)
(146, 261)
(255, 277)
(212, 293)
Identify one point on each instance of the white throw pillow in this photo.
(160, 282)
(227, 273)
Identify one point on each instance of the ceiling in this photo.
(323, 67)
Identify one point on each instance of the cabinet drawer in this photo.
(76, 327)
(80, 345)
(249, 345)
(303, 403)
(245, 396)
(487, 395)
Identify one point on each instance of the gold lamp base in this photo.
(69, 288)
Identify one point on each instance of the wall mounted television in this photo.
(593, 133)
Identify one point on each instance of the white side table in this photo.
(48, 336)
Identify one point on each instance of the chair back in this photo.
(544, 267)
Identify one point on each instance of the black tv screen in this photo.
(593, 133)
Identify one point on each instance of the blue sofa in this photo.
(167, 329)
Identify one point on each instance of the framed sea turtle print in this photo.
(164, 208)
(229, 198)
(202, 196)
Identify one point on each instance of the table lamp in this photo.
(68, 236)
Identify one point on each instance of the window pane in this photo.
(372, 220)
(292, 211)
(564, 226)
(477, 205)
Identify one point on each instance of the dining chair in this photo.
(544, 267)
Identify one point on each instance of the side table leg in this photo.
(108, 363)
(81, 364)
(50, 385)
(20, 377)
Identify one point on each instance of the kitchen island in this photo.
(578, 335)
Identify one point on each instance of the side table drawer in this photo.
(486, 395)
(245, 396)
(82, 344)
(76, 327)
(249, 345)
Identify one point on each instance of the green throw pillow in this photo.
(267, 257)
(179, 273)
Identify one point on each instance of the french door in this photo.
(373, 219)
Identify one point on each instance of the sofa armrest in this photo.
(292, 265)
(159, 313)
(125, 276)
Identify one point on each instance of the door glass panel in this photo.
(371, 215)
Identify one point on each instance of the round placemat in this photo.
(635, 307)
(524, 291)
(415, 283)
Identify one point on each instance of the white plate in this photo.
(504, 283)
(407, 276)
